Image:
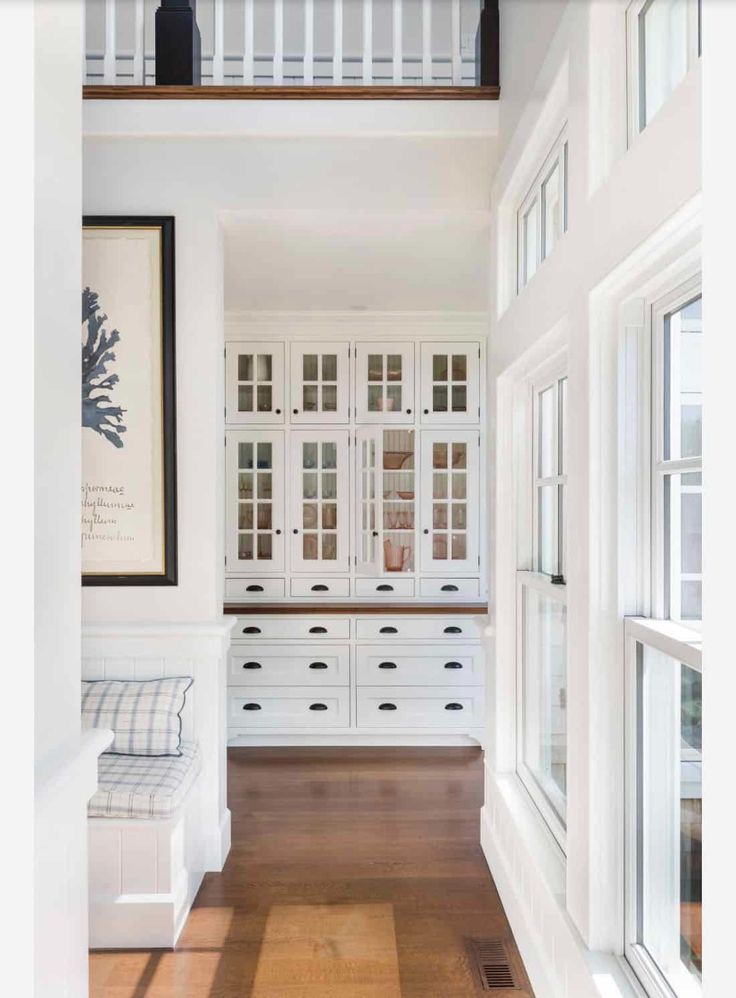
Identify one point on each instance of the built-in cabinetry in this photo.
(353, 496)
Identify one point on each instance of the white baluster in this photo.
(367, 42)
(109, 65)
(139, 50)
(337, 42)
(457, 67)
(218, 48)
(278, 42)
(248, 73)
(426, 42)
(308, 42)
(398, 46)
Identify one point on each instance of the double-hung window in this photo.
(664, 672)
(542, 217)
(542, 607)
(664, 44)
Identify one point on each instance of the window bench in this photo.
(144, 867)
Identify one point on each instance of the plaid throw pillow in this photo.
(145, 715)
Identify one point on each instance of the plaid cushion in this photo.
(145, 715)
(139, 787)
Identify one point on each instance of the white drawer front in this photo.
(420, 665)
(325, 665)
(317, 628)
(406, 707)
(275, 707)
(417, 628)
(254, 589)
(316, 588)
(450, 588)
(384, 588)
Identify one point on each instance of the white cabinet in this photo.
(320, 383)
(320, 501)
(450, 383)
(254, 383)
(450, 500)
(384, 383)
(255, 501)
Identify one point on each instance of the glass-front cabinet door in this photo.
(254, 383)
(255, 501)
(320, 501)
(320, 383)
(450, 521)
(367, 474)
(386, 487)
(450, 380)
(384, 383)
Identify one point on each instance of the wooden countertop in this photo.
(241, 609)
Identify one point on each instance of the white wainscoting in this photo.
(147, 651)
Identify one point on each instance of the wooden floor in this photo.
(392, 834)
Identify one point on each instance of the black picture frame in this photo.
(169, 575)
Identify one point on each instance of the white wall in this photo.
(618, 200)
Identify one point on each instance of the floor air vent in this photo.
(492, 965)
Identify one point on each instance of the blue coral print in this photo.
(98, 411)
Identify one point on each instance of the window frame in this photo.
(557, 481)
(557, 156)
(635, 77)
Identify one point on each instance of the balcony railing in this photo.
(298, 43)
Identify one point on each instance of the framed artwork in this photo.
(129, 535)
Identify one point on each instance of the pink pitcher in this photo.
(395, 556)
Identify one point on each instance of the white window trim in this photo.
(557, 154)
(634, 81)
(560, 479)
(683, 645)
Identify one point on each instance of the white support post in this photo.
(367, 42)
(398, 46)
(308, 73)
(139, 51)
(110, 58)
(426, 42)
(278, 42)
(457, 66)
(337, 42)
(248, 71)
(218, 50)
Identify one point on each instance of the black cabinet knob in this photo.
(453, 630)
(388, 630)
(453, 665)
(278, 532)
(251, 706)
(295, 531)
(387, 665)
(449, 589)
(252, 665)
(251, 630)
(375, 533)
(408, 412)
(296, 412)
(320, 588)
(254, 589)
(426, 412)
(318, 706)
(318, 665)
(318, 630)
(384, 588)
(453, 706)
(278, 412)
(426, 531)
(387, 706)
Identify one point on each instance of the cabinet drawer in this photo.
(450, 588)
(420, 665)
(264, 665)
(407, 707)
(314, 588)
(299, 707)
(384, 587)
(417, 628)
(254, 589)
(318, 628)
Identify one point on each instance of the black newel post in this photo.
(178, 44)
(487, 72)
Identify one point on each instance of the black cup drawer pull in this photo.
(252, 665)
(449, 588)
(387, 665)
(320, 588)
(384, 588)
(388, 630)
(254, 589)
(318, 630)
(251, 630)
(453, 630)
(453, 706)
(318, 706)
(453, 665)
(251, 706)
(318, 665)
(387, 706)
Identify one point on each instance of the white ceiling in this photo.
(318, 261)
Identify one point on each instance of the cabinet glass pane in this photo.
(310, 547)
(399, 501)
(439, 547)
(329, 455)
(264, 485)
(329, 367)
(264, 365)
(393, 398)
(245, 398)
(264, 397)
(329, 515)
(393, 367)
(245, 516)
(310, 516)
(329, 398)
(459, 456)
(375, 398)
(459, 367)
(459, 398)
(329, 547)
(265, 458)
(375, 367)
(265, 547)
(439, 485)
(329, 485)
(310, 398)
(245, 455)
(439, 398)
(310, 367)
(264, 516)
(439, 367)
(459, 547)
(309, 486)
(245, 367)
(439, 455)
(459, 486)
(245, 547)
(245, 486)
